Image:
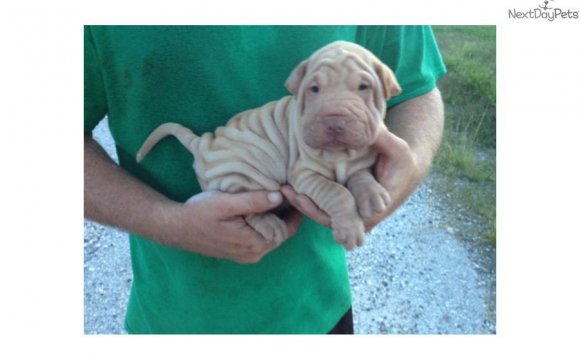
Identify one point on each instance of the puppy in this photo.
(317, 140)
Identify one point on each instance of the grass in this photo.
(466, 160)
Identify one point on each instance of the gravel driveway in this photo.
(415, 274)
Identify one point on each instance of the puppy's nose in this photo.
(334, 125)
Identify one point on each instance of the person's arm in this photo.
(210, 223)
(406, 151)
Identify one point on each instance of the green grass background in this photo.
(466, 161)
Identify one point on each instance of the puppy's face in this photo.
(341, 91)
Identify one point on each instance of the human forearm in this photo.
(115, 198)
(419, 122)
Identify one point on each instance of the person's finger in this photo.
(307, 206)
(291, 196)
(249, 203)
(288, 193)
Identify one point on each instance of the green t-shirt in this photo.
(200, 76)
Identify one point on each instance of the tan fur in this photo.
(317, 140)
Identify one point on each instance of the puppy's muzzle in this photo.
(334, 125)
(335, 131)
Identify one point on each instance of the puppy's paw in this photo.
(373, 200)
(350, 235)
(269, 226)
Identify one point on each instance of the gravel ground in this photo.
(416, 274)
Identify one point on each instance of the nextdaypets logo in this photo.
(546, 11)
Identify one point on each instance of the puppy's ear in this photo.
(293, 82)
(389, 82)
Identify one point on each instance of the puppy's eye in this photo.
(314, 89)
(363, 87)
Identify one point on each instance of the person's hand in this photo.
(396, 170)
(212, 223)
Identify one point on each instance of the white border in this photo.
(538, 146)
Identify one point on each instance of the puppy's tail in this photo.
(182, 133)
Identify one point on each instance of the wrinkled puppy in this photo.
(317, 140)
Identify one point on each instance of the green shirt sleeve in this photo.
(411, 52)
(95, 98)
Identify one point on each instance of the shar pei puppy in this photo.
(317, 140)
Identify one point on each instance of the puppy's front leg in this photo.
(371, 198)
(338, 203)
